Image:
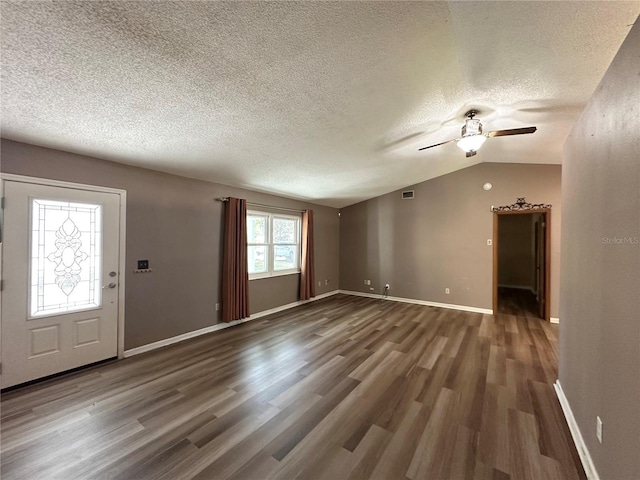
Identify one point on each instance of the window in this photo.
(273, 244)
(66, 256)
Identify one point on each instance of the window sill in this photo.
(262, 276)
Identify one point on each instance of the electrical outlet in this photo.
(489, 242)
(217, 307)
(599, 429)
(365, 281)
(447, 291)
(320, 283)
(326, 282)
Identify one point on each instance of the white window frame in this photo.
(271, 245)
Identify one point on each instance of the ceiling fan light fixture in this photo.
(471, 142)
(472, 136)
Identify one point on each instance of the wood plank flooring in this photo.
(516, 301)
(340, 388)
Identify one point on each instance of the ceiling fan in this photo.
(473, 138)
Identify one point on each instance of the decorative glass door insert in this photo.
(66, 257)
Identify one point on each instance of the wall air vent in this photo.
(407, 195)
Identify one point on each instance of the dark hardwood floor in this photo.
(344, 387)
(517, 301)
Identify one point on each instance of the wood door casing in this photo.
(541, 248)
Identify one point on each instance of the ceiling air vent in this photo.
(407, 195)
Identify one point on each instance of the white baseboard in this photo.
(583, 452)
(419, 302)
(220, 326)
(554, 320)
(264, 313)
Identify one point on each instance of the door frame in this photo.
(546, 210)
(122, 238)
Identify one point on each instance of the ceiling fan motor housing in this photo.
(472, 126)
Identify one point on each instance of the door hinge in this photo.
(1, 285)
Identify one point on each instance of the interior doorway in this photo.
(521, 267)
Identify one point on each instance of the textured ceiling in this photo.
(321, 101)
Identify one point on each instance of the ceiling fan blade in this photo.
(391, 145)
(471, 153)
(513, 131)
(438, 144)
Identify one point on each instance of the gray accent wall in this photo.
(176, 224)
(439, 239)
(600, 302)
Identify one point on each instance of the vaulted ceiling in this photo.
(323, 101)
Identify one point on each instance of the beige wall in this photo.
(600, 303)
(439, 239)
(176, 224)
(516, 246)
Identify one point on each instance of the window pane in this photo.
(284, 230)
(256, 229)
(66, 257)
(286, 257)
(257, 259)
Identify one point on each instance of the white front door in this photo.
(60, 259)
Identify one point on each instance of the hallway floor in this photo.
(517, 301)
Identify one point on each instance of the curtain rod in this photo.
(226, 199)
